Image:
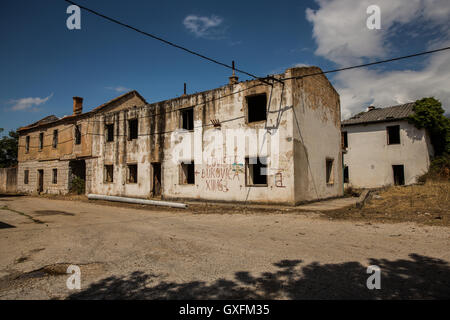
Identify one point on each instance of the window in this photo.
(393, 133)
(26, 175)
(133, 129)
(41, 140)
(344, 140)
(187, 173)
(132, 176)
(55, 139)
(399, 175)
(108, 173)
(256, 108)
(256, 172)
(346, 176)
(109, 128)
(329, 171)
(78, 134)
(27, 144)
(55, 176)
(187, 119)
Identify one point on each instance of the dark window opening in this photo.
(393, 134)
(26, 175)
(256, 172)
(41, 140)
(55, 139)
(346, 176)
(55, 176)
(27, 144)
(187, 119)
(344, 140)
(257, 108)
(329, 171)
(109, 132)
(132, 173)
(77, 134)
(187, 173)
(399, 175)
(133, 129)
(109, 173)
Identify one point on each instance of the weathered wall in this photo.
(316, 136)
(62, 185)
(8, 180)
(370, 158)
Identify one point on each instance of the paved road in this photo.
(131, 253)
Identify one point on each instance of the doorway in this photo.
(399, 175)
(156, 179)
(77, 176)
(40, 181)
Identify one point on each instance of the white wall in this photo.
(370, 158)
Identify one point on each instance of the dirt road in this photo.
(131, 253)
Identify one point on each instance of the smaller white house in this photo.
(381, 148)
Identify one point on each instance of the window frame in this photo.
(41, 141)
(249, 172)
(109, 138)
(55, 139)
(247, 108)
(77, 134)
(184, 174)
(27, 144)
(388, 128)
(54, 176)
(134, 136)
(105, 173)
(26, 176)
(129, 165)
(181, 121)
(329, 174)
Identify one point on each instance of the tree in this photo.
(428, 114)
(8, 149)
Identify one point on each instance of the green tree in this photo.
(8, 149)
(429, 114)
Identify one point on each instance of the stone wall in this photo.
(8, 180)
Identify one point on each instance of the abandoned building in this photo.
(382, 148)
(273, 141)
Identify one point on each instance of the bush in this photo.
(78, 185)
(439, 169)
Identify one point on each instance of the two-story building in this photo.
(382, 148)
(271, 141)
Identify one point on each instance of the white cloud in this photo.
(205, 27)
(28, 103)
(119, 89)
(339, 29)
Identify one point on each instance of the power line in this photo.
(368, 64)
(170, 43)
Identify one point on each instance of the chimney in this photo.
(184, 89)
(77, 106)
(233, 79)
(370, 108)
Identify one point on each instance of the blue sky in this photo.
(44, 64)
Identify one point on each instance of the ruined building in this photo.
(265, 142)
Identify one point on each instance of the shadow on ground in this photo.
(419, 278)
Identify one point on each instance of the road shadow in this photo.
(420, 277)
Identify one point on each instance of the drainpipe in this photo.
(137, 201)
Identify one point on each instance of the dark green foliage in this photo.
(8, 149)
(78, 185)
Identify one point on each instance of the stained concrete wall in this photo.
(8, 180)
(370, 158)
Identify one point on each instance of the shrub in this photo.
(78, 185)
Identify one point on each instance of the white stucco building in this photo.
(381, 148)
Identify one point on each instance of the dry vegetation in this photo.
(427, 203)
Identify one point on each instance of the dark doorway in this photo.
(40, 181)
(156, 180)
(399, 175)
(77, 176)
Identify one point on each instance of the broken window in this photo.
(109, 128)
(393, 133)
(27, 144)
(132, 173)
(399, 175)
(41, 140)
(109, 173)
(133, 127)
(26, 175)
(55, 139)
(55, 176)
(187, 173)
(78, 134)
(256, 172)
(344, 140)
(256, 108)
(187, 119)
(329, 171)
(346, 176)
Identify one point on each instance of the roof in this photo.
(382, 114)
(54, 119)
